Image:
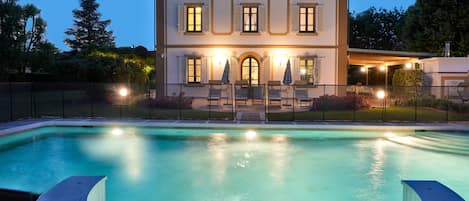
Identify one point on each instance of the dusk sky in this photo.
(132, 23)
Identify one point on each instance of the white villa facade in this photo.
(446, 72)
(195, 39)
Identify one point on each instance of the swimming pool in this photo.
(183, 164)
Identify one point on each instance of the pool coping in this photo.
(20, 126)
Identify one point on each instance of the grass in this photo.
(400, 114)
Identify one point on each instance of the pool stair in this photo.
(77, 188)
(428, 191)
(435, 141)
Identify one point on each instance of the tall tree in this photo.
(377, 29)
(21, 34)
(429, 24)
(89, 31)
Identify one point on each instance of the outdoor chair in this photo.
(463, 91)
(275, 96)
(241, 94)
(258, 94)
(301, 96)
(214, 95)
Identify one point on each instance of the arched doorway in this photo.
(250, 71)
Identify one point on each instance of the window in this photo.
(194, 19)
(307, 70)
(250, 19)
(194, 65)
(307, 19)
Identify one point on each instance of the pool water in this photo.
(227, 165)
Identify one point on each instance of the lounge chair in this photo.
(214, 95)
(301, 96)
(463, 91)
(258, 94)
(241, 94)
(274, 96)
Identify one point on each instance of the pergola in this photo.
(375, 58)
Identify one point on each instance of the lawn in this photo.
(401, 114)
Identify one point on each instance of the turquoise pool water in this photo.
(235, 165)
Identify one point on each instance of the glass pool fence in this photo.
(234, 102)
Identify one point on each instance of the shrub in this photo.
(169, 102)
(341, 103)
(441, 104)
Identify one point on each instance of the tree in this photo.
(429, 24)
(377, 29)
(21, 34)
(89, 32)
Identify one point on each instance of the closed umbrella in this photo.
(225, 79)
(287, 78)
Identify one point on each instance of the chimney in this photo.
(448, 49)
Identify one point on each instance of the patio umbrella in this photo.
(225, 79)
(287, 78)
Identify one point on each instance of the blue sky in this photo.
(132, 21)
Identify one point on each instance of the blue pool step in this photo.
(428, 191)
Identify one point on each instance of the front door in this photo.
(250, 71)
(250, 74)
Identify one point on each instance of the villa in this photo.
(196, 38)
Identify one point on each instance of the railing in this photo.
(266, 102)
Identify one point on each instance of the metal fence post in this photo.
(354, 103)
(415, 103)
(11, 100)
(63, 100)
(293, 102)
(31, 100)
(323, 103)
(92, 88)
(447, 102)
(180, 102)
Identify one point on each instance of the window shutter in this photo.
(319, 18)
(206, 19)
(182, 18)
(183, 63)
(316, 71)
(238, 17)
(262, 18)
(204, 70)
(295, 65)
(295, 18)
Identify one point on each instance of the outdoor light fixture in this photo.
(363, 69)
(123, 92)
(381, 94)
(220, 57)
(382, 68)
(251, 135)
(408, 65)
